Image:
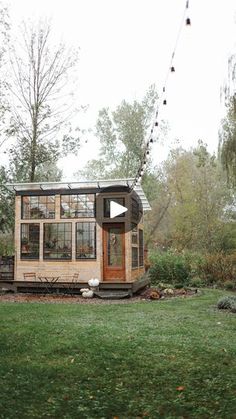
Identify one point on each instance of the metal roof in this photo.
(36, 186)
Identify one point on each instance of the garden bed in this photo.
(146, 294)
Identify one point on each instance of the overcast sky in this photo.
(126, 45)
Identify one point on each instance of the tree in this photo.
(227, 142)
(122, 137)
(190, 210)
(42, 106)
(6, 204)
(227, 134)
(4, 40)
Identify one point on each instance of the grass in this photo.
(166, 359)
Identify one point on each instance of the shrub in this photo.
(233, 307)
(6, 244)
(218, 269)
(169, 268)
(229, 285)
(196, 282)
(226, 303)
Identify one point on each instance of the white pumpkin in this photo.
(168, 291)
(84, 290)
(93, 282)
(87, 294)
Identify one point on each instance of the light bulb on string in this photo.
(163, 99)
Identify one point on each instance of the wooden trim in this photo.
(33, 192)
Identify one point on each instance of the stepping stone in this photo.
(112, 295)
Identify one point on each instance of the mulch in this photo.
(149, 294)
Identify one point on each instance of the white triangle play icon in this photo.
(116, 209)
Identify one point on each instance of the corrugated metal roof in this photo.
(101, 183)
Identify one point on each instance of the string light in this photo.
(162, 101)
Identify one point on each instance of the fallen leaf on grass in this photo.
(50, 400)
(180, 388)
(72, 360)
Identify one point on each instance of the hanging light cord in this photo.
(161, 101)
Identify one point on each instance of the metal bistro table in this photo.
(49, 282)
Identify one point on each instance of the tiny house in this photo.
(67, 230)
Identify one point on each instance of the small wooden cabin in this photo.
(64, 230)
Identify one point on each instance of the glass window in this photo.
(134, 234)
(134, 257)
(141, 248)
(36, 207)
(114, 247)
(134, 209)
(57, 241)
(107, 202)
(30, 241)
(86, 240)
(77, 206)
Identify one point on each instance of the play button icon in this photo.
(116, 209)
(118, 205)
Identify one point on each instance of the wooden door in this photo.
(114, 252)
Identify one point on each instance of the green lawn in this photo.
(166, 359)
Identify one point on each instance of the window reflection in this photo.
(57, 241)
(38, 207)
(86, 240)
(30, 241)
(77, 206)
(114, 247)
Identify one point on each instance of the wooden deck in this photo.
(72, 288)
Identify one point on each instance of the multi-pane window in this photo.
(57, 242)
(36, 207)
(134, 257)
(141, 249)
(107, 203)
(77, 206)
(86, 240)
(30, 241)
(134, 234)
(134, 209)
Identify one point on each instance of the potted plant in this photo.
(25, 244)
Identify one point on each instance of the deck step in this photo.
(112, 295)
(6, 287)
